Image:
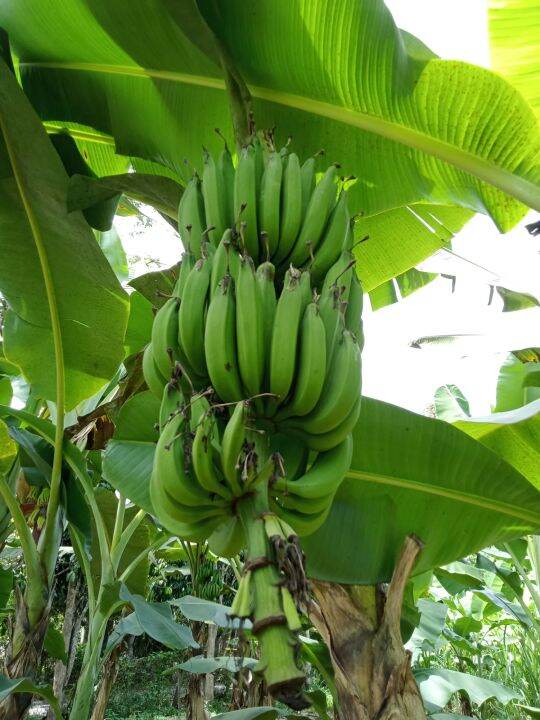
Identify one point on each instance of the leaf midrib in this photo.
(518, 187)
(449, 493)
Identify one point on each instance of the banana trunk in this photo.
(277, 642)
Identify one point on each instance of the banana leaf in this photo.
(414, 475)
(410, 127)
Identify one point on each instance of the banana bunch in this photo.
(275, 205)
(256, 360)
(297, 355)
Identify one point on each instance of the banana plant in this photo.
(53, 332)
(392, 113)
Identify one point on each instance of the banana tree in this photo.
(446, 138)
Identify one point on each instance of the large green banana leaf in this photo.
(50, 259)
(337, 75)
(514, 435)
(515, 45)
(412, 474)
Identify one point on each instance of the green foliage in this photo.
(411, 474)
(55, 269)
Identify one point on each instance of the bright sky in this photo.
(393, 371)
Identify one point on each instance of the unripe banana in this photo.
(196, 531)
(154, 379)
(303, 524)
(172, 402)
(306, 506)
(324, 476)
(226, 171)
(331, 311)
(191, 315)
(228, 539)
(188, 261)
(226, 260)
(270, 200)
(291, 207)
(340, 391)
(245, 199)
(191, 219)
(231, 446)
(329, 440)
(333, 240)
(268, 301)
(307, 176)
(220, 343)
(202, 457)
(340, 274)
(213, 191)
(165, 336)
(311, 367)
(320, 206)
(171, 467)
(305, 285)
(353, 313)
(285, 335)
(249, 328)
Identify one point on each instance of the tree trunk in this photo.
(195, 694)
(361, 628)
(60, 669)
(210, 653)
(108, 678)
(23, 655)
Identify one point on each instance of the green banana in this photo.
(340, 390)
(331, 311)
(283, 350)
(170, 465)
(245, 200)
(249, 328)
(226, 260)
(306, 506)
(303, 524)
(226, 172)
(165, 336)
(353, 313)
(154, 379)
(319, 208)
(188, 261)
(333, 240)
(165, 513)
(234, 436)
(214, 195)
(192, 314)
(191, 219)
(291, 207)
(220, 343)
(268, 301)
(172, 401)
(202, 453)
(228, 539)
(270, 200)
(329, 440)
(340, 274)
(311, 366)
(305, 285)
(307, 177)
(324, 476)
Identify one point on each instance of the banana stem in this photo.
(276, 642)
